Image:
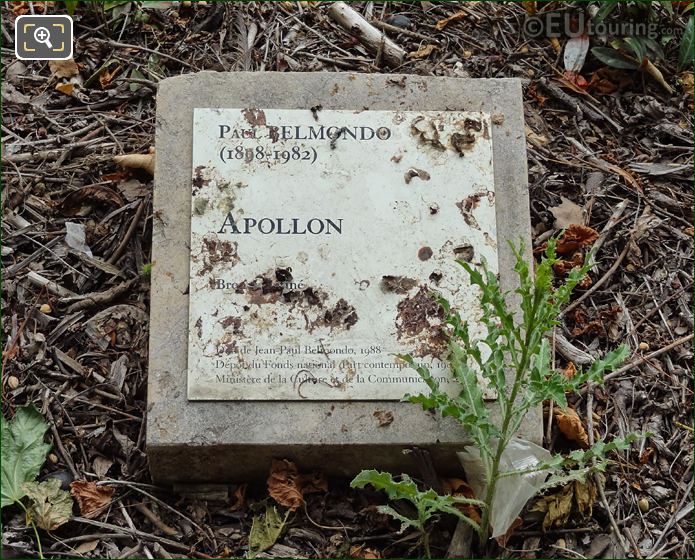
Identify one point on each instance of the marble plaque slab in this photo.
(316, 239)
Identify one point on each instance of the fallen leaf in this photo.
(583, 325)
(50, 506)
(116, 177)
(570, 371)
(533, 92)
(646, 455)
(655, 73)
(458, 487)
(576, 237)
(562, 266)
(101, 465)
(502, 539)
(585, 494)
(557, 507)
(609, 80)
(571, 426)
(362, 551)
(67, 89)
(282, 484)
(287, 487)
(265, 530)
(137, 161)
(64, 68)
(530, 7)
(645, 223)
(23, 452)
(687, 82)
(132, 189)
(239, 498)
(578, 496)
(537, 140)
(555, 43)
(21, 8)
(106, 76)
(92, 499)
(567, 213)
(442, 23)
(79, 202)
(87, 546)
(423, 52)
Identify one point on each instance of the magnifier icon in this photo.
(43, 36)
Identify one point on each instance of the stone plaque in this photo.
(316, 239)
(391, 213)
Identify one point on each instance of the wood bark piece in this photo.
(370, 36)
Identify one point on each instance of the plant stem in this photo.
(33, 526)
(493, 475)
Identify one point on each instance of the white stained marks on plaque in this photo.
(317, 240)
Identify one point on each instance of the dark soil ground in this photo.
(616, 154)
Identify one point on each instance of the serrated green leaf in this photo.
(50, 507)
(614, 59)
(23, 452)
(395, 490)
(266, 528)
(405, 521)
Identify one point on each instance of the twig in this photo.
(610, 224)
(59, 445)
(369, 36)
(395, 29)
(53, 287)
(128, 234)
(598, 480)
(158, 53)
(618, 372)
(599, 282)
(95, 298)
(137, 487)
(335, 528)
(156, 521)
(135, 533)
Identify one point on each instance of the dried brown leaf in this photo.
(78, 202)
(92, 499)
(67, 89)
(567, 213)
(575, 237)
(423, 52)
(571, 426)
(557, 507)
(442, 23)
(288, 487)
(502, 539)
(64, 68)
(570, 371)
(458, 487)
(107, 76)
(362, 551)
(585, 494)
(137, 161)
(562, 266)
